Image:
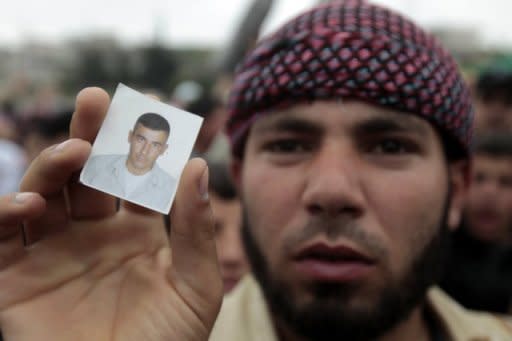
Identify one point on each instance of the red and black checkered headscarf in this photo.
(352, 50)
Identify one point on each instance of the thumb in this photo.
(195, 271)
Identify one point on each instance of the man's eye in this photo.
(506, 181)
(390, 146)
(288, 146)
(140, 139)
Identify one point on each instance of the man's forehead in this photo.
(321, 115)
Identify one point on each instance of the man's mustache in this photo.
(333, 229)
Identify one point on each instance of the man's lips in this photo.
(338, 263)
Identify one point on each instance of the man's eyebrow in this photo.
(289, 124)
(382, 125)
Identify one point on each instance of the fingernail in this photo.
(21, 198)
(62, 145)
(203, 185)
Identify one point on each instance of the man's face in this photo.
(344, 204)
(489, 203)
(146, 145)
(228, 220)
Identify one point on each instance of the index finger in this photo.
(90, 110)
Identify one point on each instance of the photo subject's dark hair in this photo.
(153, 121)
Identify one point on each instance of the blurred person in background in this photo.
(13, 160)
(488, 213)
(185, 93)
(13, 163)
(9, 123)
(42, 131)
(211, 142)
(479, 271)
(227, 216)
(493, 101)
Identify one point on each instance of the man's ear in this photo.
(460, 179)
(130, 134)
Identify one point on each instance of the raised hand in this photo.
(84, 271)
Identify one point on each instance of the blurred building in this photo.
(40, 62)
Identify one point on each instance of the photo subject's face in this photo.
(146, 145)
(343, 206)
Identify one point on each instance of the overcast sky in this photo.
(211, 22)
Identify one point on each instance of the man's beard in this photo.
(328, 316)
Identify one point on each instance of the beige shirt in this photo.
(244, 316)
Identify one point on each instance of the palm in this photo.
(120, 290)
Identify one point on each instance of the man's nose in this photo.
(489, 188)
(145, 148)
(334, 182)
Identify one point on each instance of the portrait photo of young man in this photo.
(140, 150)
(137, 176)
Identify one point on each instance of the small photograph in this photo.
(141, 149)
